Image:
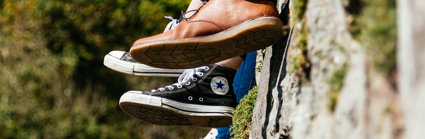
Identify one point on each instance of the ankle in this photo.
(233, 63)
(194, 5)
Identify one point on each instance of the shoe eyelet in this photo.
(207, 68)
(190, 98)
(194, 79)
(201, 74)
(161, 89)
(179, 86)
(188, 83)
(170, 88)
(201, 99)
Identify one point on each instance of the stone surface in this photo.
(411, 64)
(260, 110)
(368, 105)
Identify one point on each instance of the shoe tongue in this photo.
(127, 57)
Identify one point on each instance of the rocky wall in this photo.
(333, 76)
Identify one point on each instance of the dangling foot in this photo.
(219, 30)
(202, 97)
(122, 62)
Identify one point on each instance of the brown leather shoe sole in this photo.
(194, 52)
(163, 116)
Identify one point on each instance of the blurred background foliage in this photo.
(52, 81)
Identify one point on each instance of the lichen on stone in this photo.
(298, 10)
(336, 82)
(299, 62)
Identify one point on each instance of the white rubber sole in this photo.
(163, 111)
(133, 68)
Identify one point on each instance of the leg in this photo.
(242, 83)
(194, 4)
(233, 63)
(203, 96)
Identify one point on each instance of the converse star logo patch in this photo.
(219, 85)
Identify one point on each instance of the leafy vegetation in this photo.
(53, 83)
(242, 116)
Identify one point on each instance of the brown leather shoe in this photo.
(221, 29)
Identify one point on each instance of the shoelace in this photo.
(189, 74)
(196, 11)
(174, 22)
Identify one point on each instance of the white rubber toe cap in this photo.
(117, 54)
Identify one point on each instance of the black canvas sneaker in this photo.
(122, 62)
(202, 97)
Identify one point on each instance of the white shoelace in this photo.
(173, 23)
(188, 74)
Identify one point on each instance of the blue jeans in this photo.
(242, 83)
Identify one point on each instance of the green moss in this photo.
(259, 66)
(388, 109)
(375, 27)
(243, 114)
(299, 62)
(260, 62)
(336, 83)
(303, 41)
(298, 9)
